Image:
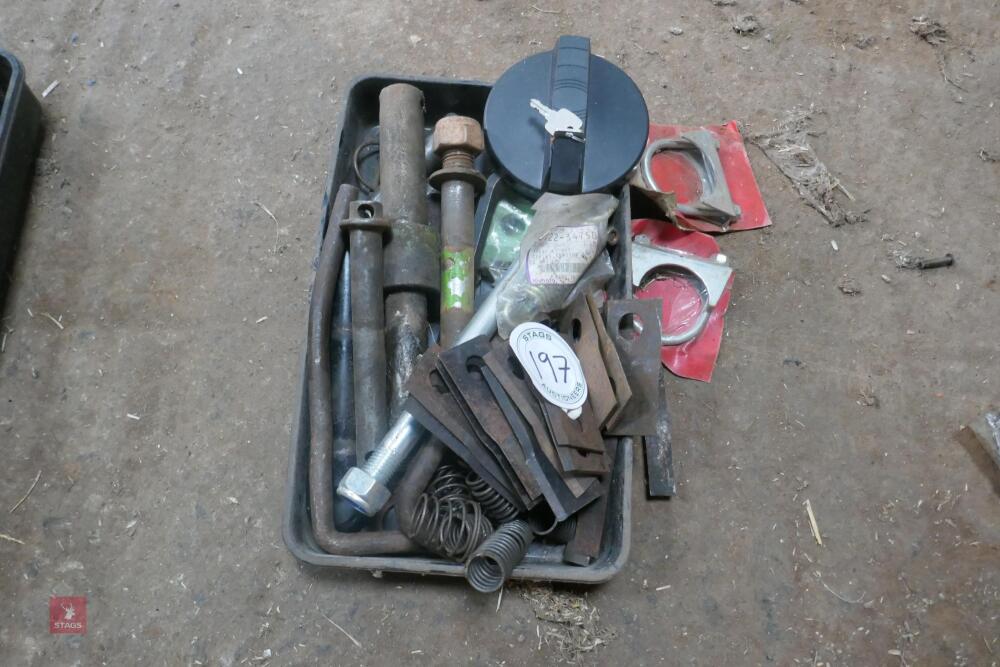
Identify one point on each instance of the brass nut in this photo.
(458, 133)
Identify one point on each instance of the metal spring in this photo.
(491, 564)
(494, 505)
(452, 528)
(446, 520)
(449, 482)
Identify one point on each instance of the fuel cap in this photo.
(565, 121)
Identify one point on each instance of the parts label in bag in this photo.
(562, 254)
(553, 367)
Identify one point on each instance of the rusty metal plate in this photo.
(580, 433)
(578, 462)
(660, 482)
(613, 366)
(586, 543)
(634, 326)
(440, 414)
(560, 499)
(581, 330)
(461, 364)
(500, 361)
(484, 446)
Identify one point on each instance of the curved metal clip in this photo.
(702, 149)
(712, 275)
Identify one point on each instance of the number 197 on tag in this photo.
(562, 367)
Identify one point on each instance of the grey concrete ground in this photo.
(175, 123)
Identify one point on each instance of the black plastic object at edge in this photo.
(20, 138)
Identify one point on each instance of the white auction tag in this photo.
(552, 365)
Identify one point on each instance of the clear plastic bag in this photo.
(505, 231)
(565, 237)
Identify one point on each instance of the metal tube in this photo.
(371, 413)
(936, 262)
(402, 173)
(406, 335)
(320, 400)
(402, 169)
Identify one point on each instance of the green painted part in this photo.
(457, 285)
(505, 229)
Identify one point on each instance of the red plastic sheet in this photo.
(674, 173)
(682, 301)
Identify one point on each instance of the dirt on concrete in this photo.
(159, 410)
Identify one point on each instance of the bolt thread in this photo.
(381, 463)
(457, 159)
(494, 560)
(390, 454)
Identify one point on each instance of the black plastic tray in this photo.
(543, 562)
(20, 136)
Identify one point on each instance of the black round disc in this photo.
(616, 124)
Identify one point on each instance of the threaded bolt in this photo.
(458, 158)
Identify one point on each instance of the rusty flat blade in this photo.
(639, 351)
(580, 433)
(560, 499)
(440, 414)
(529, 409)
(660, 482)
(585, 545)
(613, 365)
(578, 462)
(461, 364)
(581, 330)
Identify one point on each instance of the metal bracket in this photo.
(702, 148)
(712, 275)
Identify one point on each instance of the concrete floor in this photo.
(175, 123)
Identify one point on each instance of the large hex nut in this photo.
(458, 133)
(363, 491)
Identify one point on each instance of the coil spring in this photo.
(449, 482)
(491, 564)
(446, 520)
(495, 506)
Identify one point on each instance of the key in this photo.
(563, 120)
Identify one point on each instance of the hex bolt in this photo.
(458, 140)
